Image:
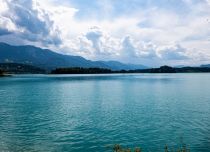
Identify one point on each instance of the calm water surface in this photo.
(87, 113)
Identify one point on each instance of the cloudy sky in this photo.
(150, 32)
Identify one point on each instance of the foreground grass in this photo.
(118, 148)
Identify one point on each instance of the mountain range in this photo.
(47, 59)
(205, 65)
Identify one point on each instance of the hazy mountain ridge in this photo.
(205, 66)
(115, 65)
(48, 59)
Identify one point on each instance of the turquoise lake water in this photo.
(87, 113)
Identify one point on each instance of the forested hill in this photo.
(47, 59)
(16, 68)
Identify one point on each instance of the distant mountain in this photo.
(48, 59)
(39, 57)
(205, 66)
(115, 65)
(179, 66)
(168, 69)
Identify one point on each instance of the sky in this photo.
(149, 32)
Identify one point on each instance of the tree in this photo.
(1, 72)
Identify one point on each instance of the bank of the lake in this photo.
(162, 69)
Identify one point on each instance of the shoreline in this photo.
(162, 69)
(9, 75)
(5, 75)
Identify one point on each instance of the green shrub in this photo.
(118, 148)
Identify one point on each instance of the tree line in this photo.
(162, 69)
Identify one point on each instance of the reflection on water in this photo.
(89, 112)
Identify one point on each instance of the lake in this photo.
(88, 113)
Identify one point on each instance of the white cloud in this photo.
(94, 36)
(128, 48)
(208, 1)
(175, 52)
(22, 20)
(146, 35)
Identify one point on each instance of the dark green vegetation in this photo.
(15, 68)
(162, 69)
(167, 69)
(50, 60)
(118, 148)
(1, 73)
(81, 71)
